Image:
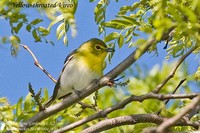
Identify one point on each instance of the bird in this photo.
(81, 67)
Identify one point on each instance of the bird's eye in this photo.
(97, 47)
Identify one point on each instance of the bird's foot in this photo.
(111, 83)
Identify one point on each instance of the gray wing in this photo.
(57, 86)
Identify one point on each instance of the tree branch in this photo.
(171, 75)
(121, 105)
(90, 89)
(171, 121)
(130, 120)
(36, 62)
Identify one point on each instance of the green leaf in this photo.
(46, 94)
(99, 19)
(13, 20)
(60, 34)
(98, 6)
(195, 4)
(60, 29)
(123, 12)
(146, 29)
(36, 36)
(197, 74)
(15, 39)
(36, 21)
(56, 20)
(65, 40)
(112, 25)
(108, 24)
(28, 103)
(120, 41)
(126, 8)
(101, 29)
(130, 44)
(128, 39)
(134, 6)
(28, 27)
(130, 20)
(98, 13)
(19, 107)
(122, 22)
(111, 36)
(128, 32)
(19, 26)
(43, 30)
(139, 42)
(173, 11)
(191, 15)
(21, 16)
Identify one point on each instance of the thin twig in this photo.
(171, 121)
(180, 83)
(121, 105)
(171, 75)
(166, 102)
(36, 62)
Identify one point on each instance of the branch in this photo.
(171, 75)
(36, 62)
(169, 122)
(121, 105)
(166, 102)
(193, 112)
(180, 83)
(94, 86)
(130, 120)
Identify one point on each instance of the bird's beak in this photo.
(110, 50)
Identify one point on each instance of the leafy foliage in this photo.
(139, 85)
(197, 74)
(17, 20)
(154, 18)
(133, 25)
(7, 121)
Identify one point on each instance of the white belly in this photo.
(76, 76)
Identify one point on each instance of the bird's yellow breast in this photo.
(95, 63)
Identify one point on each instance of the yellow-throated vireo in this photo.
(81, 67)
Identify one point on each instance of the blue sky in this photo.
(16, 73)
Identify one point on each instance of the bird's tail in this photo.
(48, 102)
